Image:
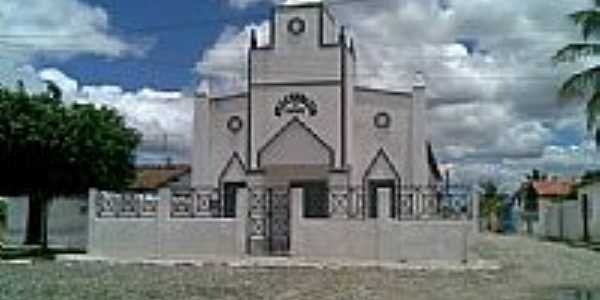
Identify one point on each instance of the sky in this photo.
(493, 106)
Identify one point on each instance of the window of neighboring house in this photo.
(230, 198)
(372, 206)
(316, 198)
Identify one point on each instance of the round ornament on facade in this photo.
(382, 120)
(296, 26)
(235, 124)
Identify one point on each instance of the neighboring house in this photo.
(589, 199)
(547, 192)
(154, 177)
(68, 216)
(568, 210)
(550, 192)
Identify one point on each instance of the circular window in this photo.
(382, 120)
(296, 26)
(235, 124)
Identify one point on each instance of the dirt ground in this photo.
(531, 270)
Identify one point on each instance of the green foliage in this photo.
(586, 83)
(52, 148)
(530, 198)
(591, 176)
(491, 201)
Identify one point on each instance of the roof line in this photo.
(383, 91)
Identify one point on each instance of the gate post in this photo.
(383, 218)
(257, 214)
(241, 216)
(296, 211)
(162, 218)
(92, 195)
(338, 196)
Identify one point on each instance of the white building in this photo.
(304, 122)
(304, 163)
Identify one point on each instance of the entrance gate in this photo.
(269, 221)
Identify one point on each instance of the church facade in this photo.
(305, 123)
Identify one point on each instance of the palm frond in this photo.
(593, 112)
(589, 21)
(581, 83)
(575, 51)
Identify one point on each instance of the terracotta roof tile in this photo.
(156, 176)
(553, 188)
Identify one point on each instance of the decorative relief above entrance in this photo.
(296, 103)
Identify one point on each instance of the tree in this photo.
(530, 197)
(49, 148)
(585, 83)
(591, 176)
(491, 204)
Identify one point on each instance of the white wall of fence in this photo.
(382, 238)
(564, 221)
(153, 229)
(176, 226)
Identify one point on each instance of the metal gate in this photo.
(278, 220)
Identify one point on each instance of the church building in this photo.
(305, 122)
(305, 163)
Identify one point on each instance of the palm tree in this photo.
(585, 83)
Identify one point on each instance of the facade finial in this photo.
(419, 80)
(342, 36)
(253, 41)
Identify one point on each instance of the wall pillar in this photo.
(383, 218)
(339, 197)
(296, 209)
(257, 217)
(475, 205)
(241, 215)
(93, 194)
(162, 218)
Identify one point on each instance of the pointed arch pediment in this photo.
(296, 144)
(234, 170)
(381, 167)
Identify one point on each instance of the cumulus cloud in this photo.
(223, 66)
(61, 29)
(57, 28)
(494, 107)
(245, 3)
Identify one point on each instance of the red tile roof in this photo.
(157, 176)
(555, 188)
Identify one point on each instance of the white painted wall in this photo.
(166, 237)
(379, 239)
(67, 222)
